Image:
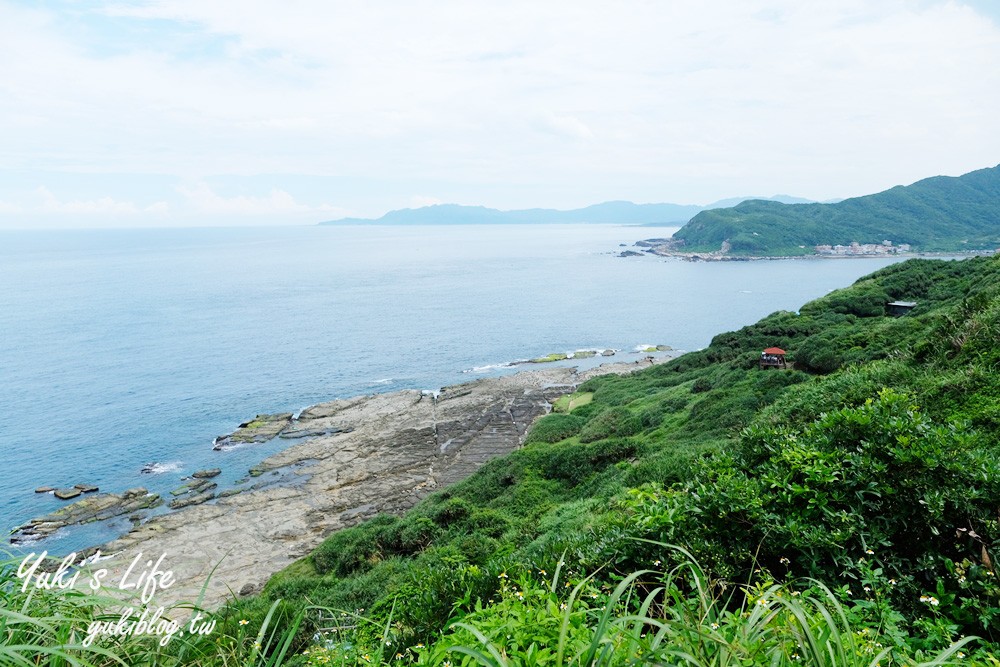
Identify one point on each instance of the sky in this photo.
(117, 113)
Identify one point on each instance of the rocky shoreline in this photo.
(668, 247)
(351, 459)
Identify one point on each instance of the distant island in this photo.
(611, 212)
(939, 214)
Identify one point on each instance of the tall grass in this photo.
(678, 617)
(50, 627)
(681, 617)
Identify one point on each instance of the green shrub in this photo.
(701, 385)
(613, 422)
(488, 522)
(412, 534)
(606, 452)
(451, 511)
(355, 548)
(555, 427)
(881, 477)
(568, 463)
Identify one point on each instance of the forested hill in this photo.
(936, 214)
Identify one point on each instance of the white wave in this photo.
(489, 367)
(382, 381)
(158, 468)
(22, 540)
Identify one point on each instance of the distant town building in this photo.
(862, 249)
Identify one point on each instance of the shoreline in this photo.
(97, 516)
(665, 248)
(401, 447)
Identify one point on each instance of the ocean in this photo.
(121, 348)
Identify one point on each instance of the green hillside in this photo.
(872, 467)
(935, 214)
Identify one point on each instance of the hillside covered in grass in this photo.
(845, 511)
(936, 214)
(873, 467)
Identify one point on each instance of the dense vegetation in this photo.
(934, 214)
(703, 512)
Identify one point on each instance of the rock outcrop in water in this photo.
(198, 490)
(379, 453)
(95, 507)
(259, 429)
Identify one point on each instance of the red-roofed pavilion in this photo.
(772, 357)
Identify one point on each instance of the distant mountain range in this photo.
(611, 212)
(941, 213)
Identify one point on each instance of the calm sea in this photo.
(122, 348)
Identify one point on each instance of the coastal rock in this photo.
(653, 243)
(307, 432)
(45, 489)
(630, 253)
(608, 353)
(86, 488)
(248, 589)
(259, 429)
(329, 409)
(555, 356)
(67, 494)
(187, 487)
(193, 498)
(94, 507)
(207, 474)
(404, 446)
(201, 485)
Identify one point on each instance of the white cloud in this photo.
(7, 207)
(419, 201)
(568, 126)
(512, 104)
(278, 202)
(103, 205)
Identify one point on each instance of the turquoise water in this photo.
(122, 348)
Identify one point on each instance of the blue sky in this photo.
(149, 113)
